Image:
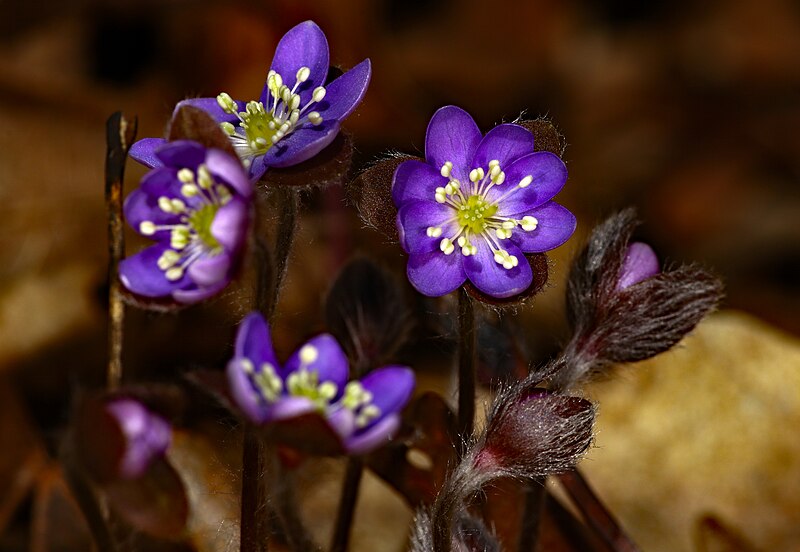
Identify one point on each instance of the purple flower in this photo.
(146, 436)
(364, 414)
(196, 207)
(640, 263)
(296, 115)
(477, 205)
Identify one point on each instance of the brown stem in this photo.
(286, 509)
(120, 134)
(347, 505)
(531, 515)
(254, 528)
(287, 207)
(466, 369)
(596, 514)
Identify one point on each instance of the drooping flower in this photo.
(196, 206)
(297, 114)
(364, 414)
(146, 436)
(476, 205)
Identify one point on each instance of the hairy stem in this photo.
(531, 515)
(287, 207)
(347, 505)
(254, 530)
(466, 369)
(596, 514)
(120, 134)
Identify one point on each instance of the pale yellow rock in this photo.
(712, 426)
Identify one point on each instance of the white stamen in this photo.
(319, 94)
(165, 204)
(433, 231)
(529, 223)
(446, 169)
(303, 73)
(308, 354)
(147, 228)
(525, 182)
(174, 273)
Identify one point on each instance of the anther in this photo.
(529, 223)
(186, 176)
(303, 73)
(308, 354)
(315, 118)
(165, 204)
(447, 247)
(174, 273)
(433, 231)
(319, 94)
(525, 182)
(446, 169)
(147, 228)
(226, 103)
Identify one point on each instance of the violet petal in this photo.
(253, 341)
(413, 220)
(181, 154)
(140, 274)
(144, 151)
(505, 143)
(345, 93)
(415, 180)
(147, 436)
(290, 407)
(140, 207)
(435, 274)
(329, 361)
(244, 393)
(229, 169)
(376, 436)
(195, 295)
(304, 45)
(491, 277)
(210, 271)
(302, 144)
(343, 422)
(230, 224)
(556, 225)
(391, 387)
(549, 175)
(640, 263)
(452, 136)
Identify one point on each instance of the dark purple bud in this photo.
(621, 308)
(534, 434)
(146, 436)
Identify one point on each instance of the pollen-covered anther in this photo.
(366, 415)
(174, 273)
(525, 182)
(503, 233)
(315, 118)
(189, 190)
(433, 231)
(446, 245)
(168, 259)
(468, 250)
(476, 175)
(446, 169)
(302, 74)
(227, 104)
(309, 354)
(147, 228)
(440, 195)
(529, 223)
(503, 258)
(186, 176)
(319, 94)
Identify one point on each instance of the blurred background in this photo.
(688, 110)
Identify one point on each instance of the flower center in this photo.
(261, 126)
(190, 237)
(476, 215)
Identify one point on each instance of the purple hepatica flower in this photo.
(476, 205)
(289, 123)
(196, 206)
(640, 263)
(147, 436)
(365, 414)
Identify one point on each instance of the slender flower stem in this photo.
(285, 505)
(254, 528)
(347, 505)
(596, 514)
(531, 515)
(466, 369)
(287, 206)
(120, 134)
